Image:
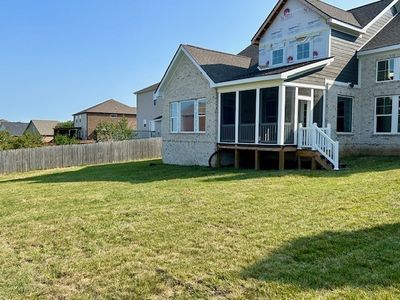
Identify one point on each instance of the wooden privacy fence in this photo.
(24, 160)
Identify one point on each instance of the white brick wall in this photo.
(189, 149)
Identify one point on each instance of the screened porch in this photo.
(268, 116)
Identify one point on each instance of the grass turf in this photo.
(154, 232)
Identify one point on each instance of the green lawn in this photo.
(148, 231)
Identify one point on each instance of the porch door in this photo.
(305, 113)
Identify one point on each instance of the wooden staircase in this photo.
(316, 160)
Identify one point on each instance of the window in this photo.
(303, 51)
(344, 115)
(277, 57)
(188, 116)
(385, 70)
(384, 109)
(114, 115)
(154, 99)
(174, 117)
(201, 115)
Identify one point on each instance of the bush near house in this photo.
(61, 139)
(145, 230)
(66, 124)
(113, 131)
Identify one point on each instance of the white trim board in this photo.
(378, 50)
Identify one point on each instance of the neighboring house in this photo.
(149, 110)
(110, 110)
(13, 128)
(314, 75)
(44, 128)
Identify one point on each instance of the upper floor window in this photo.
(385, 70)
(277, 57)
(387, 114)
(154, 99)
(303, 51)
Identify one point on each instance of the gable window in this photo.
(277, 57)
(344, 115)
(385, 70)
(188, 116)
(303, 51)
(384, 115)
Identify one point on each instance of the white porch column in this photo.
(296, 114)
(312, 107)
(281, 115)
(257, 134)
(237, 118)
(219, 117)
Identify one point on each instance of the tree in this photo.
(5, 140)
(111, 131)
(66, 124)
(28, 140)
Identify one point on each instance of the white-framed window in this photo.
(188, 116)
(277, 57)
(174, 117)
(388, 69)
(303, 51)
(387, 120)
(154, 99)
(344, 114)
(201, 115)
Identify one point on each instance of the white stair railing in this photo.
(318, 139)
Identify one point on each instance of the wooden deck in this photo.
(301, 155)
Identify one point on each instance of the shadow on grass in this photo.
(153, 171)
(365, 258)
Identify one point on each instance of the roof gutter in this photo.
(347, 28)
(378, 50)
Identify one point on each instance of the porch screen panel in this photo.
(318, 113)
(228, 108)
(289, 115)
(269, 98)
(247, 116)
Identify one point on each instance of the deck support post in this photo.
(218, 164)
(282, 160)
(237, 154)
(257, 159)
(313, 164)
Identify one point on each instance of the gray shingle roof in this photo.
(366, 13)
(219, 66)
(45, 127)
(335, 12)
(13, 128)
(388, 36)
(150, 88)
(110, 107)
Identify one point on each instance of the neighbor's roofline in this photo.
(379, 50)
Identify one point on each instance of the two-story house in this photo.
(149, 112)
(316, 81)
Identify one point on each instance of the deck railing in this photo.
(228, 133)
(317, 139)
(247, 133)
(269, 133)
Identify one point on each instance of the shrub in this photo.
(28, 140)
(66, 124)
(61, 139)
(111, 131)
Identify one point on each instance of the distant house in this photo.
(13, 128)
(149, 110)
(44, 128)
(110, 110)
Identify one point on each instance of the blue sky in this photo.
(59, 57)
